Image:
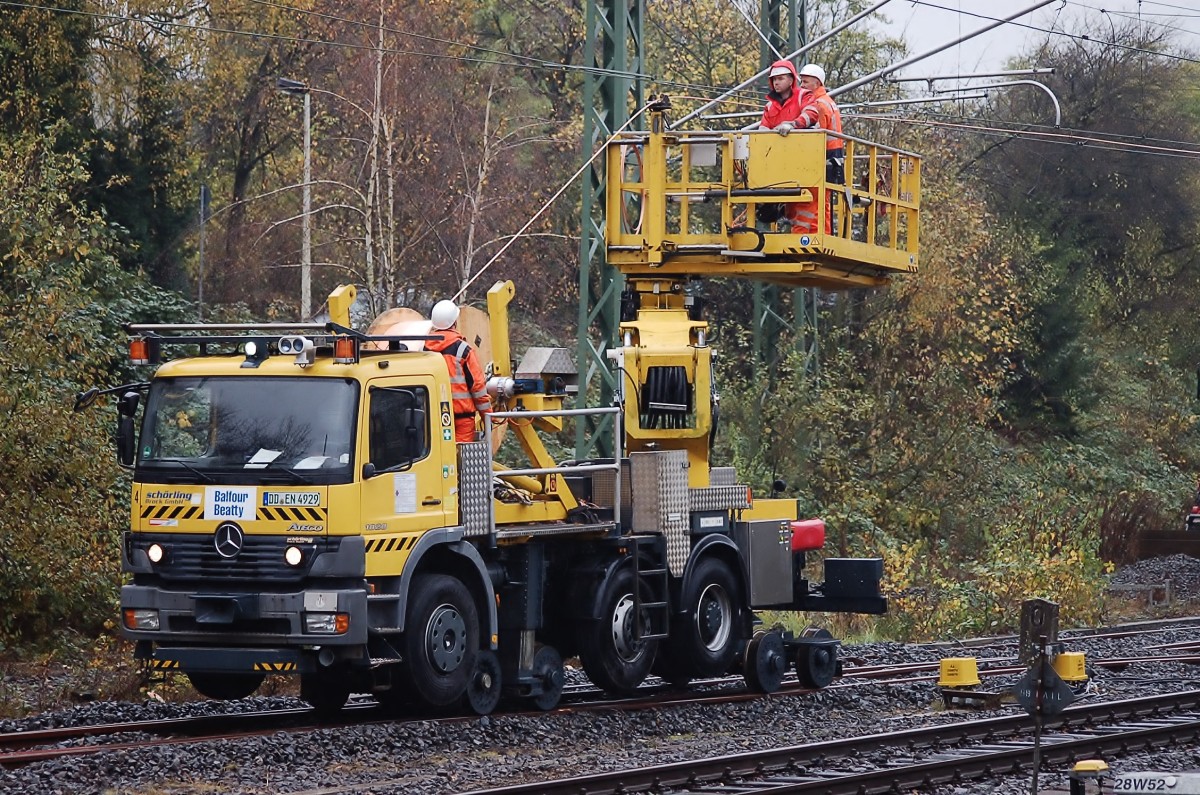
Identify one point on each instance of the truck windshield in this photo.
(298, 427)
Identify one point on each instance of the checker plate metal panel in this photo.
(546, 361)
(602, 488)
(661, 502)
(722, 476)
(474, 487)
(719, 498)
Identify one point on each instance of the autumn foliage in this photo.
(997, 427)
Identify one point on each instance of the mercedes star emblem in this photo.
(228, 540)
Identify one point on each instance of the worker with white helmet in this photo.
(468, 386)
(821, 111)
(828, 117)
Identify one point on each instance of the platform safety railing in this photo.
(693, 201)
(615, 466)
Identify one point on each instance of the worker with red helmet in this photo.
(468, 387)
(786, 101)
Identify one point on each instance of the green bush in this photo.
(63, 498)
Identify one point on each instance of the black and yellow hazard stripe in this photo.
(275, 667)
(172, 511)
(391, 544)
(292, 514)
(265, 667)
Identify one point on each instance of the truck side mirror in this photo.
(127, 406)
(126, 443)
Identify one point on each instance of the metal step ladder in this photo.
(653, 618)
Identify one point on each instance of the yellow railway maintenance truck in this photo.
(300, 505)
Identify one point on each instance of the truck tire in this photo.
(226, 687)
(612, 655)
(441, 639)
(705, 642)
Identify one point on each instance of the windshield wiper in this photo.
(202, 475)
(296, 476)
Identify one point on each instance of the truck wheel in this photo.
(325, 691)
(225, 687)
(441, 639)
(613, 657)
(706, 642)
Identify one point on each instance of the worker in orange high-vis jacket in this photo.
(784, 99)
(468, 387)
(819, 110)
(782, 114)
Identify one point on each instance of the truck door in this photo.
(405, 488)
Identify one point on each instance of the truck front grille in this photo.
(245, 626)
(194, 557)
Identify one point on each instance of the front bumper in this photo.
(221, 660)
(239, 619)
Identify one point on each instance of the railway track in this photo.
(22, 748)
(882, 763)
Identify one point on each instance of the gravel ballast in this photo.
(428, 757)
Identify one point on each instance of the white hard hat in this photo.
(444, 315)
(780, 70)
(812, 70)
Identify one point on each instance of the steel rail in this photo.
(21, 748)
(774, 764)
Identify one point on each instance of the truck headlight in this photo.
(326, 623)
(141, 619)
(156, 553)
(294, 556)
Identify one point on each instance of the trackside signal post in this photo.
(300, 506)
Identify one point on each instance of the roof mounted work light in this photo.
(303, 348)
(256, 353)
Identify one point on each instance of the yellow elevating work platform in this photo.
(691, 203)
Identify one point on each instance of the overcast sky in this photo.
(927, 24)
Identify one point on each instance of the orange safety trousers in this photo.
(803, 215)
(464, 428)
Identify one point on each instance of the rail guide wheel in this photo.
(550, 677)
(816, 663)
(483, 691)
(766, 662)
